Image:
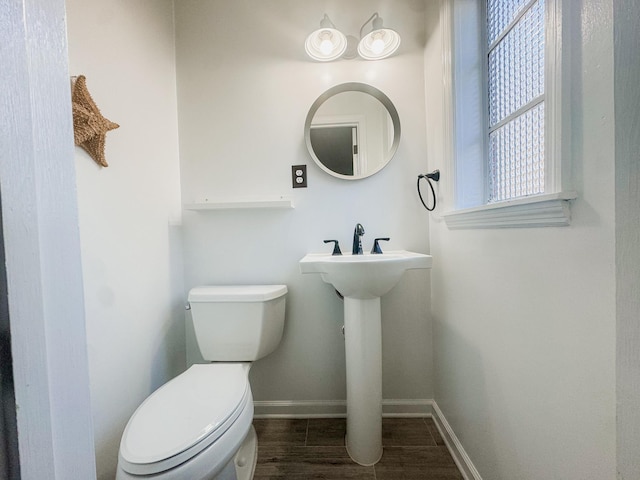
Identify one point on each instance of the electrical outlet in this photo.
(299, 176)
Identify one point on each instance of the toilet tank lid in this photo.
(236, 293)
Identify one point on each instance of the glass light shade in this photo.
(326, 44)
(380, 43)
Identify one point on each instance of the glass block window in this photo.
(515, 36)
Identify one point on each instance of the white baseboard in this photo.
(299, 409)
(464, 463)
(337, 408)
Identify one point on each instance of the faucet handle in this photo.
(336, 247)
(376, 247)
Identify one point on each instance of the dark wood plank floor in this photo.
(303, 449)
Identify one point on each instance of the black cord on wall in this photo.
(435, 176)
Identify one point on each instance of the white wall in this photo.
(244, 89)
(130, 250)
(524, 319)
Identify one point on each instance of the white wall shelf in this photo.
(254, 203)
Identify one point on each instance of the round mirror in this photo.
(352, 131)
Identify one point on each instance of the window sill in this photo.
(548, 210)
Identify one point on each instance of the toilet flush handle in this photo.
(187, 306)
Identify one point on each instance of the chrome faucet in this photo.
(357, 240)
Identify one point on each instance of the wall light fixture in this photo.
(328, 43)
(380, 42)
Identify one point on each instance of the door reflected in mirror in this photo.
(352, 131)
(337, 147)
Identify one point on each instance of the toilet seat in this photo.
(184, 417)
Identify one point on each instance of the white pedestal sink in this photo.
(362, 280)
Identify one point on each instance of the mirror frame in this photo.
(353, 87)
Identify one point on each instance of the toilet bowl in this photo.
(198, 425)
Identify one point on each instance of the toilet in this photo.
(198, 426)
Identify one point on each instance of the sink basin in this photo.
(365, 276)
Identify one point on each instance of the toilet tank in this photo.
(237, 323)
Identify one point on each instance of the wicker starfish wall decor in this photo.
(89, 126)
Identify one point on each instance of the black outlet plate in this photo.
(299, 176)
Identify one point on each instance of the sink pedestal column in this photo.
(363, 348)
